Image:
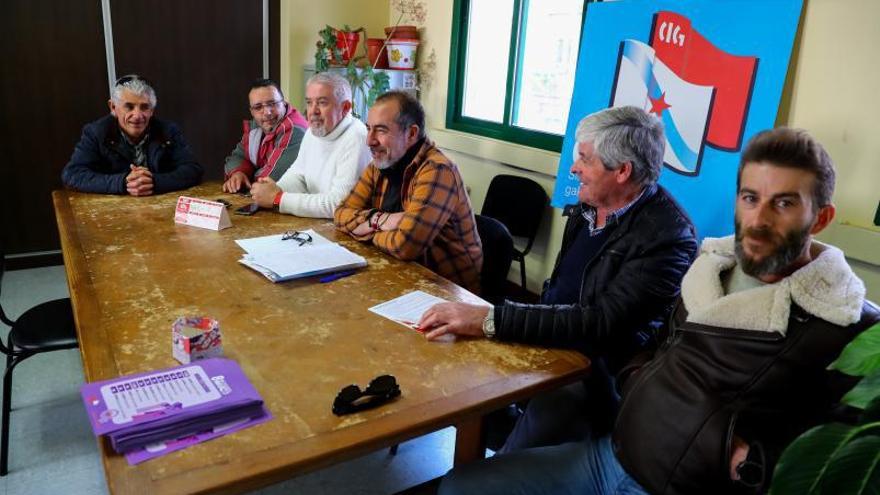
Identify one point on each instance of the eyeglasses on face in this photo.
(266, 104)
(295, 235)
(352, 399)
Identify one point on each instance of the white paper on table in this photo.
(274, 244)
(408, 308)
(315, 260)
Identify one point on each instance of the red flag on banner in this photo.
(696, 60)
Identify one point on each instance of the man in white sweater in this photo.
(331, 157)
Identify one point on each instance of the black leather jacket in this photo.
(627, 288)
(680, 411)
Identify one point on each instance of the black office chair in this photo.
(518, 203)
(45, 327)
(497, 258)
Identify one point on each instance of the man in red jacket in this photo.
(271, 140)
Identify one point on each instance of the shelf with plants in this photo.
(338, 48)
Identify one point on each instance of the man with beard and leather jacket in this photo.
(744, 369)
(626, 246)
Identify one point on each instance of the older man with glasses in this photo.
(271, 139)
(130, 151)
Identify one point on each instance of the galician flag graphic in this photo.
(696, 60)
(644, 81)
(700, 92)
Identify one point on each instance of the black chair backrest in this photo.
(518, 202)
(5, 319)
(497, 257)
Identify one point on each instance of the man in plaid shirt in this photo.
(411, 202)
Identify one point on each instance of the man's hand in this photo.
(235, 181)
(264, 191)
(739, 450)
(391, 222)
(139, 182)
(362, 229)
(455, 318)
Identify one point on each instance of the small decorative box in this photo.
(194, 338)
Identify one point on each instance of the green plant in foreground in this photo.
(839, 458)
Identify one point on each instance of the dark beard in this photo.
(779, 260)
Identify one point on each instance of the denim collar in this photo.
(613, 218)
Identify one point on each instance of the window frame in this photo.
(504, 131)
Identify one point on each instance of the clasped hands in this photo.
(139, 182)
(263, 191)
(381, 222)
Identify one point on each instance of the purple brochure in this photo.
(143, 409)
(159, 449)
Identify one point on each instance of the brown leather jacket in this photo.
(680, 410)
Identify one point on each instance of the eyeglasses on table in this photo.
(295, 235)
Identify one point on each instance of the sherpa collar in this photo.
(826, 288)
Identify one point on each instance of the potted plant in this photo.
(336, 47)
(401, 42)
(836, 457)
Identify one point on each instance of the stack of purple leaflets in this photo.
(150, 414)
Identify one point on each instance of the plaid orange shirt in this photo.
(438, 228)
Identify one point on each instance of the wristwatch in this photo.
(276, 203)
(751, 470)
(489, 324)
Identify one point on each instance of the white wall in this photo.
(834, 95)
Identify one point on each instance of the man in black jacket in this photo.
(130, 151)
(744, 370)
(626, 246)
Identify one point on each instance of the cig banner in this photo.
(711, 70)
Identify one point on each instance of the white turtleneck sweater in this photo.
(325, 170)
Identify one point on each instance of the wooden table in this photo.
(132, 271)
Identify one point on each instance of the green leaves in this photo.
(864, 392)
(836, 458)
(862, 356)
(381, 84)
(803, 464)
(365, 81)
(856, 468)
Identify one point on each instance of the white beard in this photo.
(318, 131)
(382, 164)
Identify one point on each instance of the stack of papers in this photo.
(150, 414)
(280, 260)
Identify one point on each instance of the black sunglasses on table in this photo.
(352, 399)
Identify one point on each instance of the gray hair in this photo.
(340, 85)
(137, 86)
(625, 134)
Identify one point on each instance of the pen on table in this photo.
(335, 276)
